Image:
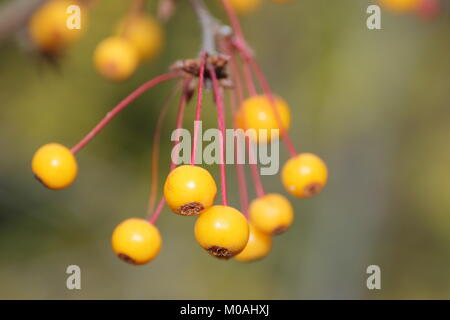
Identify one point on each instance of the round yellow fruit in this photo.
(400, 5)
(136, 241)
(115, 58)
(54, 166)
(189, 190)
(258, 246)
(144, 33)
(271, 213)
(258, 113)
(222, 231)
(48, 26)
(304, 175)
(245, 6)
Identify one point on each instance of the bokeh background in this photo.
(373, 104)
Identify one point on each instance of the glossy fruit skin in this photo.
(304, 175)
(54, 166)
(245, 6)
(115, 58)
(189, 190)
(272, 213)
(400, 5)
(222, 231)
(258, 246)
(136, 241)
(258, 113)
(144, 33)
(48, 26)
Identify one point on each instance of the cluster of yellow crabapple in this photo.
(137, 37)
(190, 190)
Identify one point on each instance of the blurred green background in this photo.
(373, 104)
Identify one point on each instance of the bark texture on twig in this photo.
(15, 14)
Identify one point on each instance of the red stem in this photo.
(221, 123)
(156, 148)
(122, 105)
(240, 172)
(249, 79)
(237, 79)
(244, 50)
(254, 170)
(198, 112)
(268, 92)
(158, 210)
(179, 123)
(233, 19)
(253, 166)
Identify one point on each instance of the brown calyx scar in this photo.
(219, 63)
(191, 209)
(40, 180)
(220, 252)
(312, 189)
(127, 258)
(279, 230)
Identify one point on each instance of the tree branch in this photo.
(210, 26)
(14, 14)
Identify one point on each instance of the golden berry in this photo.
(189, 190)
(258, 113)
(115, 58)
(245, 6)
(48, 26)
(144, 33)
(54, 166)
(222, 231)
(271, 213)
(304, 175)
(136, 241)
(400, 5)
(258, 246)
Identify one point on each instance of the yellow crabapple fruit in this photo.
(54, 166)
(222, 231)
(258, 246)
(189, 190)
(115, 58)
(304, 175)
(48, 28)
(258, 113)
(400, 5)
(245, 6)
(136, 241)
(271, 213)
(144, 33)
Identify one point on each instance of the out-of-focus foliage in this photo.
(373, 104)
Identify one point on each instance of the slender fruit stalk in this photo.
(198, 111)
(179, 123)
(240, 172)
(122, 105)
(156, 148)
(221, 123)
